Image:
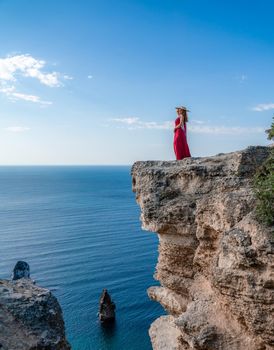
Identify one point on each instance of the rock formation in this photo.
(30, 317)
(215, 260)
(106, 308)
(21, 269)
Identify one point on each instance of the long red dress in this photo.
(180, 142)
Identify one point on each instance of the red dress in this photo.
(180, 143)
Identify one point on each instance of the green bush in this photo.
(264, 186)
(270, 132)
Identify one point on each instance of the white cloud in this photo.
(136, 123)
(263, 107)
(27, 66)
(90, 76)
(11, 93)
(17, 128)
(195, 121)
(16, 67)
(68, 77)
(129, 121)
(197, 126)
(224, 130)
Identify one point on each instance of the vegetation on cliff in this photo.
(264, 185)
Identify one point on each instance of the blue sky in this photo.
(96, 82)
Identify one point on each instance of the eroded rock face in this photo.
(215, 260)
(30, 317)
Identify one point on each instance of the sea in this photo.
(78, 227)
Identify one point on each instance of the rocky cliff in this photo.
(30, 317)
(215, 260)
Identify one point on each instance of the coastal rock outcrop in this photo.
(106, 308)
(21, 269)
(216, 261)
(30, 317)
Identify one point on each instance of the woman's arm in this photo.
(180, 124)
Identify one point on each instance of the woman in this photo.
(180, 142)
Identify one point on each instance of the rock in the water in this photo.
(216, 261)
(21, 270)
(106, 307)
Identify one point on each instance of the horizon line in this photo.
(6, 165)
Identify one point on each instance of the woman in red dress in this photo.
(180, 142)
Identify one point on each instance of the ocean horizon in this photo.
(78, 228)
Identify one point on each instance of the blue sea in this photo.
(78, 227)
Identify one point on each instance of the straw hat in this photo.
(183, 107)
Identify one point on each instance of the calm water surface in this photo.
(79, 229)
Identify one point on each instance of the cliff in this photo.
(30, 317)
(216, 260)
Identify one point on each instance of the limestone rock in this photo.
(216, 261)
(164, 334)
(30, 317)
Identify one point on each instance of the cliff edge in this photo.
(216, 261)
(30, 317)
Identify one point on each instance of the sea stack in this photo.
(21, 270)
(106, 308)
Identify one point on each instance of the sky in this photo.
(97, 82)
